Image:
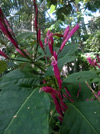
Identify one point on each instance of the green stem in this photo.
(31, 62)
(19, 60)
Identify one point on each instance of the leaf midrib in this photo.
(19, 109)
(93, 128)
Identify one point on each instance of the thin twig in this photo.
(92, 91)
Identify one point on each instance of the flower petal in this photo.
(69, 35)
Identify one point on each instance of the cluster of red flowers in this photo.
(56, 94)
(7, 30)
(49, 40)
(94, 62)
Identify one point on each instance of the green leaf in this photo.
(3, 66)
(69, 50)
(66, 59)
(21, 108)
(79, 90)
(81, 76)
(76, 83)
(82, 117)
(32, 116)
(17, 79)
(96, 80)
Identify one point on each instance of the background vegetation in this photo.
(24, 109)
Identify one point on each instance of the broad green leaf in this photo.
(3, 66)
(76, 83)
(17, 79)
(17, 97)
(66, 59)
(81, 76)
(82, 117)
(68, 50)
(31, 117)
(79, 90)
(96, 80)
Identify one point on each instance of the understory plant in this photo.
(36, 97)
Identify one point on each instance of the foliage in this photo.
(50, 80)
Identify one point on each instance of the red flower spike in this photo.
(41, 44)
(56, 71)
(46, 38)
(51, 38)
(48, 90)
(90, 61)
(66, 31)
(69, 35)
(20, 52)
(55, 55)
(36, 10)
(34, 1)
(58, 107)
(45, 41)
(93, 62)
(3, 54)
(36, 14)
(35, 22)
(53, 93)
(6, 29)
(48, 33)
(73, 30)
(50, 48)
(58, 101)
(8, 26)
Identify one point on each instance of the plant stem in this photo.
(19, 60)
(92, 91)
